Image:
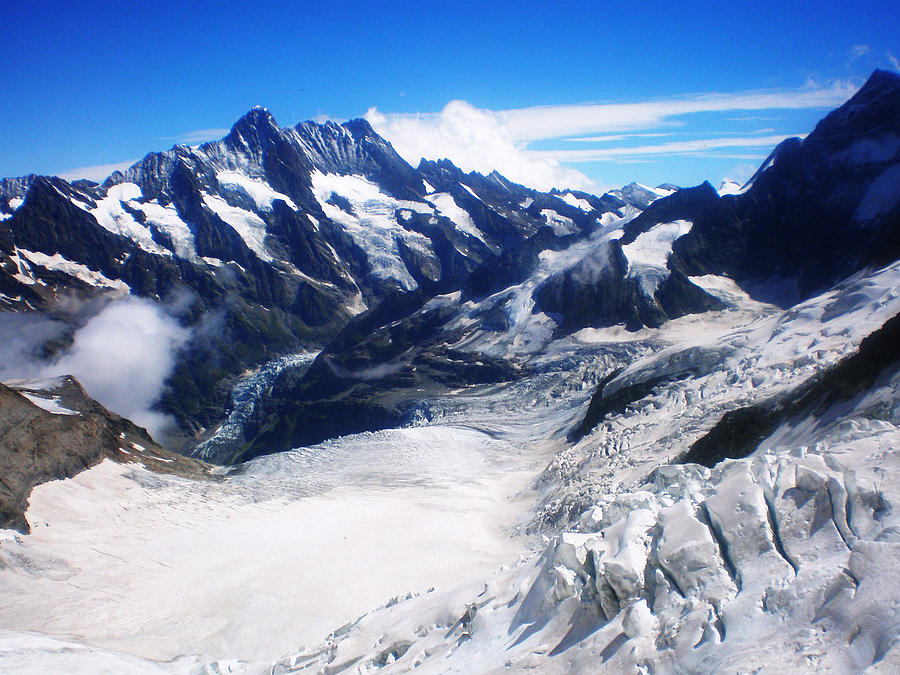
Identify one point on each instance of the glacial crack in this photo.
(776, 534)
(706, 518)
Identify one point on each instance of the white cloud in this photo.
(96, 173)
(474, 140)
(483, 140)
(859, 50)
(526, 124)
(122, 357)
(609, 138)
(733, 155)
(894, 61)
(674, 148)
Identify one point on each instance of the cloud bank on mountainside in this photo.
(122, 356)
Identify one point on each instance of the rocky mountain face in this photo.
(268, 241)
(414, 280)
(52, 430)
(817, 211)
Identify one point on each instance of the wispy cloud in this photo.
(692, 147)
(482, 140)
(750, 118)
(859, 50)
(756, 157)
(894, 61)
(197, 136)
(611, 138)
(528, 124)
(96, 173)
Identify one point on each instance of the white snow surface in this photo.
(649, 252)
(58, 263)
(373, 225)
(159, 567)
(13, 204)
(250, 226)
(447, 206)
(111, 215)
(51, 405)
(730, 187)
(577, 202)
(262, 194)
(166, 218)
(783, 561)
(561, 225)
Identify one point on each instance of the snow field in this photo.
(372, 225)
(159, 567)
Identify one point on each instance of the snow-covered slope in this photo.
(568, 433)
(656, 566)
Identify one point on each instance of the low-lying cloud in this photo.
(122, 356)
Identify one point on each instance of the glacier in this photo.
(485, 428)
(489, 542)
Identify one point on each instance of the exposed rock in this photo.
(52, 430)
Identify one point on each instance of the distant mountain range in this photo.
(422, 279)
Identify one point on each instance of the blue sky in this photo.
(590, 94)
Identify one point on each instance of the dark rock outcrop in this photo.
(37, 445)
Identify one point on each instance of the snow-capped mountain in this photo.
(817, 211)
(282, 235)
(652, 431)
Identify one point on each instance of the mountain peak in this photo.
(880, 90)
(255, 129)
(871, 111)
(880, 77)
(359, 127)
(256, 117)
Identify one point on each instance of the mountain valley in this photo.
(357, 416)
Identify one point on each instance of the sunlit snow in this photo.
(247, 224)
(58, 263)
(649, 252)
(51, 405)
(259, 191)
(112, 216)
(373, 225)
